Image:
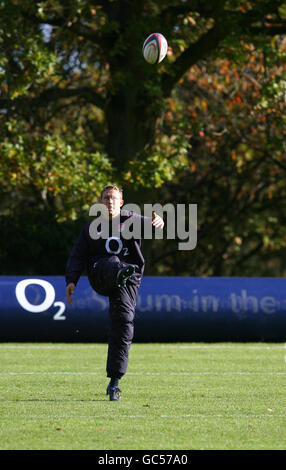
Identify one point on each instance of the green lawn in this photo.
(174, 396)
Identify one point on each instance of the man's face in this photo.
(111, 198)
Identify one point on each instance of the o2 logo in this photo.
(48, 301)
(114, 250)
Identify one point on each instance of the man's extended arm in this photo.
(76, 263)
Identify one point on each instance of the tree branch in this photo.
(248, 255)
(75, 27)
(53, 94)
(81, 92)
(224, 25)
(203, 47)
(268, 31)
(204, 7)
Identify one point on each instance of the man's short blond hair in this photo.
(113, 187)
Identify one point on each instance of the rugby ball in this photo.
(155, 48)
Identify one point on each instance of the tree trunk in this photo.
(131, 127)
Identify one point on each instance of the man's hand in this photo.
(69, 291)
(157, 221)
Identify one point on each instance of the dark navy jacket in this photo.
(87, 250)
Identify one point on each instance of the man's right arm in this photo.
(69, 291)
(76, 263)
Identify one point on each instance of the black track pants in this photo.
(122, 304)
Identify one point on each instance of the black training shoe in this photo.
(124, 274)
(114, 393)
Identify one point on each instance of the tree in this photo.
(236, 120)
(86, 55)
(80, 107)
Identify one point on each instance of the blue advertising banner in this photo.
(168, 309)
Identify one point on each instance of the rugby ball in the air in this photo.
(155, 48)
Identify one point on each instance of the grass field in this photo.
(174, 396)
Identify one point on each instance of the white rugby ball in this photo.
(155, 48)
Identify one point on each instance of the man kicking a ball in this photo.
(115, 266)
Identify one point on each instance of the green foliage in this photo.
(51, 167)
(25, 62)
(79, 107)
(236, 168)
